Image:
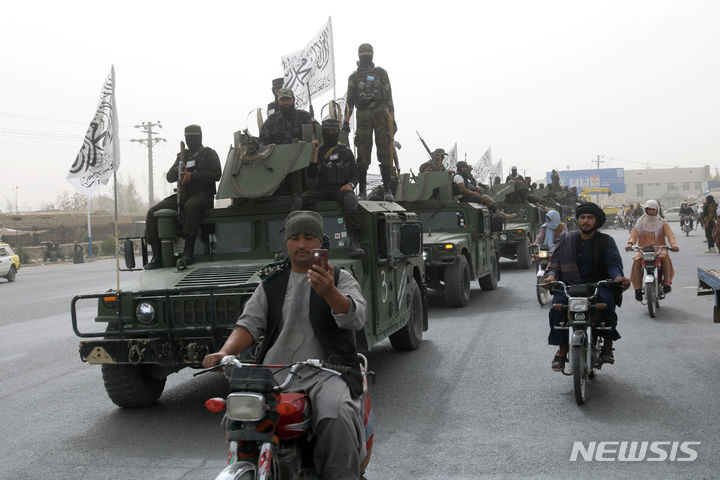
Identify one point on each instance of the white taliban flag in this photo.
(99, 156)
(314, 66)
(483, 167)
(497, 171)
(451, 160)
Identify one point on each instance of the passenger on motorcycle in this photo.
(651, 230)
(551, 230)
(686, 211)
(280, 311)
(584, 256)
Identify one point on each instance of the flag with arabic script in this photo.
(451, 160)
(314, 66)
(99, 155)
(483, 167)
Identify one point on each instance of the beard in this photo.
(286, 110)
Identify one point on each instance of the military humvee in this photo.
(459, 238)
(167, 319)
(520, 232)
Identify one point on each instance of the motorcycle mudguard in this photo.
(578, 338)
(237, 470)
(649, 279)
(540, 272)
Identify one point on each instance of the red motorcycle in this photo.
(270, 431)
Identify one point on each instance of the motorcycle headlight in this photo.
(245, 407)
(578, 304)
(649, 256)
(425, 256)
(503, 237)
(543, 254)
(145, 313)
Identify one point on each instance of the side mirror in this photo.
(129, 248)
(411, 239)
(496, 223)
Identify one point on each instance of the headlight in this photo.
(649, 256)
(578, 304)
(503, 237)
(245, 407)
(145, 313)
(543, 254)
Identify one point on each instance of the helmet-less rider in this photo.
(586, 256)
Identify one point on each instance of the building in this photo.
(669, 186)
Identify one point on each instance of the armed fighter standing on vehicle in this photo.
(370, 92)
(272, 107)
(201, 169)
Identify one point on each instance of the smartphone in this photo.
(320, 257)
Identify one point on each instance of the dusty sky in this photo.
(546, 84)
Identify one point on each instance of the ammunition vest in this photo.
(370, 87)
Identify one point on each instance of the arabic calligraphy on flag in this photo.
(483, 168)
(451, 160)
(99, 156)
(314, 66)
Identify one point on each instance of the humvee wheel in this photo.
(523, 255)
(457, 283)
(410, 336)
(131, 386)
(489, 281)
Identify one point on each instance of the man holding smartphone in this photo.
(317, 318)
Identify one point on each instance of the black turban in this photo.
(592, 209)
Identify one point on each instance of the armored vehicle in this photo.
(459, 238)
(167, 318)
(519, 232)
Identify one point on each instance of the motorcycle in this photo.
(541, 256)
(686, 224)
(650, 263)
(619, 222)
(631, 222)
(270, 430)
(582, 323)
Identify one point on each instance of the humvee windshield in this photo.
(334, 229)
(437, 220)
(233, 237)
(522, 213)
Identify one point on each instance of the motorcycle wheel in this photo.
(651, 300)
(579, 378)
(543, 295)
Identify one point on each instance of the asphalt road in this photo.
(477, 400)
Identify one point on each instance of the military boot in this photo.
(362, 183)
(187, 256)
(156, 261)
(386, 173)
(354, 250)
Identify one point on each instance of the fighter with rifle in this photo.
(196, 169)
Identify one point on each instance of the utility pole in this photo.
(150, 142)
(598, 161)
(16, 201)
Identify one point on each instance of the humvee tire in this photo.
(457, 283)
(490, 281)
(523, 254)
(410, 336)
(128, 386)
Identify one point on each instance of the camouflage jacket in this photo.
(369, 88)
(280, 130)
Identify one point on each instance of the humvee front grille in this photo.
(191, 310)
(217, 276)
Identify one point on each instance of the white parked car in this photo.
(672, 214)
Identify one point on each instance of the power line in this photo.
(150, 142)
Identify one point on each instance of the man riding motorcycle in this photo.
(551, 230)
(686, 211)
(652, 230)
(585, 256)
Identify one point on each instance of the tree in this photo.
(129, 200)
(76, 201)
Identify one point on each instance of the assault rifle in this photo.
(181, 169)
(427, 149)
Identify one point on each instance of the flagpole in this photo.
(117, 246)
(89, 226)
(332, 55)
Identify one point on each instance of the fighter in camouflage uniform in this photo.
(369, 90)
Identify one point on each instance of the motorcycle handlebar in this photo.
(562, 285)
